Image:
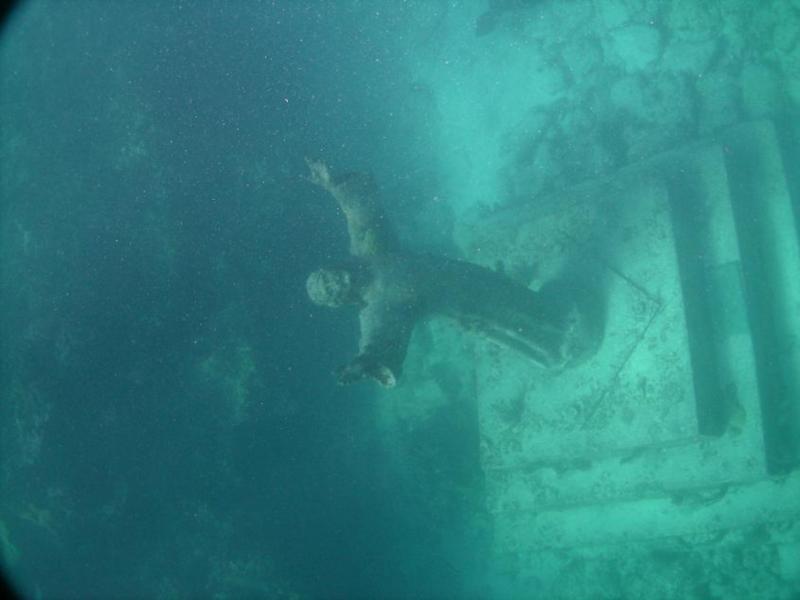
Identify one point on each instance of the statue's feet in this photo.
(582, 336)
(580, 314)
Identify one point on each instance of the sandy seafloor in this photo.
(170, 425)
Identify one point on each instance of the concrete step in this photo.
(699, 514)
(757, 553)
(643, 473)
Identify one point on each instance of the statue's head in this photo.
(332, 287)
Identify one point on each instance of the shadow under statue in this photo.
(395, 288)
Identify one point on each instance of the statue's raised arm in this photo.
(357, 195)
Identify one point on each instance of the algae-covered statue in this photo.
(395, 288)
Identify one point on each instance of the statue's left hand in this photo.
(361, 368)
(350, 373)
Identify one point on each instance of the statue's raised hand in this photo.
(319, 173)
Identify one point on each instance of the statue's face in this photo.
(331, 287)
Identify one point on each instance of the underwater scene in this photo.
(433, 299)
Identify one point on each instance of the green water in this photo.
(169, 423)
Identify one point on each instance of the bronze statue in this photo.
(395, 288)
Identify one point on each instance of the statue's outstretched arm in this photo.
(357, 195)
(385, 332)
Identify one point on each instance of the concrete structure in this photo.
(675, 447)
